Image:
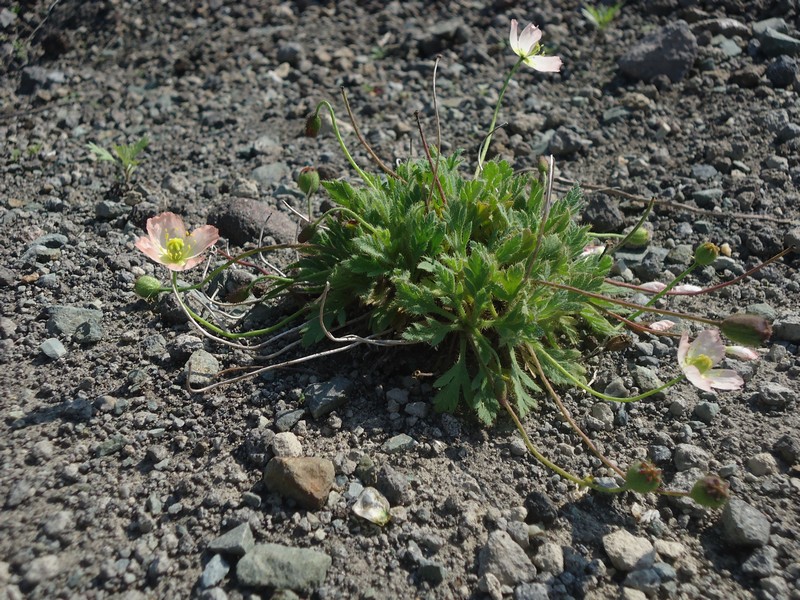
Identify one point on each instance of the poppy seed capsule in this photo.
(710, 491)
(747, 329)
(706, 253)
(639, 237)
(643, 477)
(308, 180)
(147, 287)
(313, 125)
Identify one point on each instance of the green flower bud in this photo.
(710, 491)
(747, 329)
(706, 253)
(308, 180)
(313, 125)
(638, 238)
(147, 287)
(643, 477)
(543, 165)
(306, 233)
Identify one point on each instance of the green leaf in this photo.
(101, 153)
(454, 384)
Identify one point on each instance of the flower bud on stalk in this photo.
(643, 477)
(710, 491)
(313, 125)
(308, 180)
(706, 253)
(638, 238)
(747, 329)
(147, 287)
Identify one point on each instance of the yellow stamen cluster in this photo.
(702, 362)
(175, 251)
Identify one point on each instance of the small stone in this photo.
(491, 586)
(505, 559)
(775, 587)
(324, 398)
(286, 444)
(287, 420)
(763, 562)
(394, 485)
(602, 411)
(52, 348)
(762, 464)
(688, 456)
(788, 328)
(669, 51)
(775, 43)
(774, 396)
(706, 411)
(517, 447)
(201, 368)
(671, 551)
(215, 571)
(65, 320)
(241, 220)
(236, 542)
(276, 566)
(399, 443)
(540, 509)
(774, 161)
(549, 559)
(307, 480)
(644, 580)
(744, 525)
(628, 552)
(647, 380)
(531, 591)
(41, 569)
(788, 448)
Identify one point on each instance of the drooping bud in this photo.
(706, 253)
(147, 287)
(308, 180)
(543, 165)
(643, 477)
(306, 233)
(710, 491)
(747, 329)
(638, 238)
(313, 125)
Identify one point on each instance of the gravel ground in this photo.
(118, 483)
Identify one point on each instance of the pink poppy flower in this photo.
(697, 359)
(526, 45)
(169, 243)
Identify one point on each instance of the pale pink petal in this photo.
(192, 262)
(741, 352)
(151, 250)
(687, 289)
(683, 348)
(664, 325)
(696, 378)
(529, 37)
(164, 227)
(546, 64)
(724, 379)
(653, 286)
(708, 343)
(513, 37)
(201, 239)
(592, 249)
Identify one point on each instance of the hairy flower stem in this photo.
(430, 162)
(363, 141)
(633, 305)
(603, 396)
(366, 178)
(486, 142)
(557, 399)
(630, 234)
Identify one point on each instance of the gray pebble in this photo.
(201, 368)
(774, 396)
(628, 552)
(744, 525)
(763, 562)
(502, 557)
(688, 456)
(706, 411)
(644, 580)
(787, 328)
(215, 571)
(324, 398)
(394, 485)
(236, 542)
(398, 443)
(53, 348)
(278, 566)
(41, 569)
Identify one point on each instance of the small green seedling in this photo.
(126, 156)
(601, 16)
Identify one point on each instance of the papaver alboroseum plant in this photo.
(490, 269)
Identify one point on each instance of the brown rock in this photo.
(305, 479)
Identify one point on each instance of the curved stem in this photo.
(488, 140)
(633, 305)
(601, 395)
(366, 178)
(561, 407)
(670, 285)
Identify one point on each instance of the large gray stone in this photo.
(670, 51)
(323, 398)
(744, 525)
(505, 559)
(283, 567)
(628, 552)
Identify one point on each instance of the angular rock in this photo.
(286, 444)
(689, 456)
(505, 559)
(774, 396)
(398, 443)
(744, 525)
(283, 567)
(201, 368)
(215, 571)
(53, 348)
(670, 51)
(240, 220)
(323, 398)
(236, 542)
(66, 320)
(305, 479)
(628, 552)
